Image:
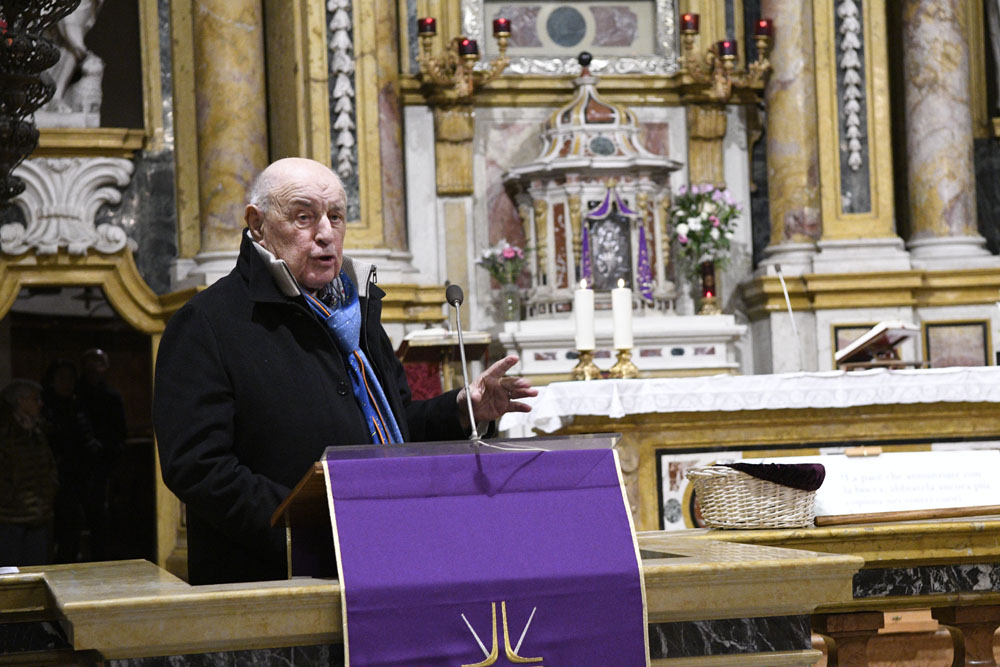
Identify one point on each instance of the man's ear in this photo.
(254, 219)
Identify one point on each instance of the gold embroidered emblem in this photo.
(511, 653)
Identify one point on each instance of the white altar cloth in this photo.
(558, 403)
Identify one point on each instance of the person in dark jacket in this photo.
(285, 356)
(28, 478)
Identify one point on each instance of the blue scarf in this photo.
(343, 318)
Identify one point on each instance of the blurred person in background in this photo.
(77, 451)
(105, 412)
(28, 477)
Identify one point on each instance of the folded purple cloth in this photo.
(804, 476)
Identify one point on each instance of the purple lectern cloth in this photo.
(423, 540)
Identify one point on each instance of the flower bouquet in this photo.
(505, 263)
(703, 222)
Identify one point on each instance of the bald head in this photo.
(297, 211)
(280, 172)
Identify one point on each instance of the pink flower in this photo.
(682, 240)
(520, 253)
(509, 253)
(714, 220)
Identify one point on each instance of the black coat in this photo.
(250, 389)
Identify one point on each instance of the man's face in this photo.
(305, 226)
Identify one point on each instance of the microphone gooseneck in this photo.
(455, 297)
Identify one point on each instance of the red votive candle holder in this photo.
(764, 28)
(468, 47)
(427, 26)
(727, 47)
(501, 26)
(689, 22)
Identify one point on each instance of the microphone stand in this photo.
(455, 298)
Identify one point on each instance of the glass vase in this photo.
(510, 302)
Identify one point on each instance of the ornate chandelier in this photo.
(24, 55)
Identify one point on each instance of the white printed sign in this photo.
(900, 481)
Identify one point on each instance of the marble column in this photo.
(231, 107)
(940, 171)
(792, 149)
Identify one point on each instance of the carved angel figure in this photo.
(79, 72)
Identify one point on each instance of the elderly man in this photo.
(280, 359)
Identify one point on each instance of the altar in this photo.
(671, 424)
(666, 345)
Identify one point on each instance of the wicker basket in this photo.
(730, 498)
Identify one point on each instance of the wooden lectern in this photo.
(306, 512)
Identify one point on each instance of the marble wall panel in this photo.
(552, 28)
(615, 26)
(729, 636)
(559, 249)
(987, 164)
(297, 656)
(393, 171)
(655, 136)
(508, 142)
(927, 580)
(523, 19)
(148, 214)
(31, 636)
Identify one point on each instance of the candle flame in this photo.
(583, 284)
(621, 282)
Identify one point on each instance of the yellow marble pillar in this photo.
(792, 149)
(454, 129)
(706, 130)
(231, 102)
(706, 121)
(940, 170)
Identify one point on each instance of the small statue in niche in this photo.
(77, 75)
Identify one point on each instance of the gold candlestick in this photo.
(624, 368)
(585, 368)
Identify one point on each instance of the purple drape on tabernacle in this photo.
(586, 273)
(603, 210)
(424, 540)
(645, 271)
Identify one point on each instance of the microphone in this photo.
(455, 297)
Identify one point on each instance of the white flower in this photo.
(714, 233)
(730, 235)
(710, 208)
(682, 229)
(695, 224)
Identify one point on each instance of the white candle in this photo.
(621, 308)
(583, 312)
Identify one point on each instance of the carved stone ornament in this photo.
(60, 203)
